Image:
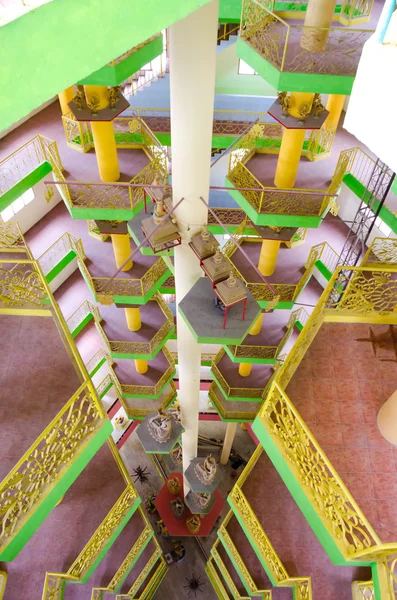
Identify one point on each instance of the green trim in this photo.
(35, 518)
(111, 541)
(294, 82)
(114, 75)
(286, 305)
(96, 369)
(301, 499)
(143, 299)
(25, 184)
(105, 391)
(213, 340)
(234, 398)
(269, 219)
(134, 561)
(359, 190)
(83, 324)
(323, 270)
(103, 214)
(254, 361)
(299, 325)
(230, 11)
(145, 356)
(59, 267)
(149, 396)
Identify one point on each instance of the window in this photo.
(385, 229)
(18, 204)
(244, 69)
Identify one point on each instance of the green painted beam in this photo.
(323, 270)
(230, 11)
(294, 82)
(34, 519)
(82, 325)
(112, 75)
(68, 40)
(24, 184)
(59, 267)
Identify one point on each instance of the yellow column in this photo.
(255, 329)
(228, 442)
(244, 369)
(268, 257)
(133, 316)
(64, 98)
(319, 14)
(291, 143)
(334, 105)
(243, 426)
(141, 366)
(103, 134)
(121, 249)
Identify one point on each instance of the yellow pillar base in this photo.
(335, 104)
(141, 366)
(268, 257)
(133, 316)
(244, 369)
(255, 329)
(243, 426)
(228, 442)
(122, 250)
(103, 134)
(64, 98)
(292, 142)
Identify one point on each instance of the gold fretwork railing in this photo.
(268, 555)
(288, 292)
(23, 289)
(383, 251)
(58, 250)
(12, 240)
(275, 40)
(23, 161)
(43, 465)
(363, 590)
(324, 253)
(142, 347)
(77, 317)
(114, 196)
(348, 12)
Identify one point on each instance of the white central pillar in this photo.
(192, 44)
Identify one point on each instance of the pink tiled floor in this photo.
(34, 360)
(338, 389)
(291, 536)
(64, 533)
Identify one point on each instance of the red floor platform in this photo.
(177, 527)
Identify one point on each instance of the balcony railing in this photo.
(23, 289)
(12, 240)
(382, 251)
(59, 249)
(81, 313)
(132, 390)
(278, 43)
(347, 12)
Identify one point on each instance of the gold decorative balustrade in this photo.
(22, 288)
(58, 250)
(348, 12)
(381, 251)
(317, 143)
(279, 43)
(271, 200)
(359, 165)
(12, 240)
(114, 196)
(266, 552)
(363, 590)
(22, 162)
(325, 254)
(142, 347)
(81, 313)
(287, 292)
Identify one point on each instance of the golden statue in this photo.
(79, 98)
(193, 524)
(114, 96)
(93, 104)
(283, 99)
(317, 106)
(304, 111)
(174, 486)
(206, 470)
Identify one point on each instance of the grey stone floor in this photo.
(194, 562)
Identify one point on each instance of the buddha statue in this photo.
(201, 499)
(176, 455)
(160, 427)
(193, 524)
(177, 508)
(174, 486)
(206, 470)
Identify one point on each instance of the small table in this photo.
(227, 306)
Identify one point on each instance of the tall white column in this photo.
(192, 45)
